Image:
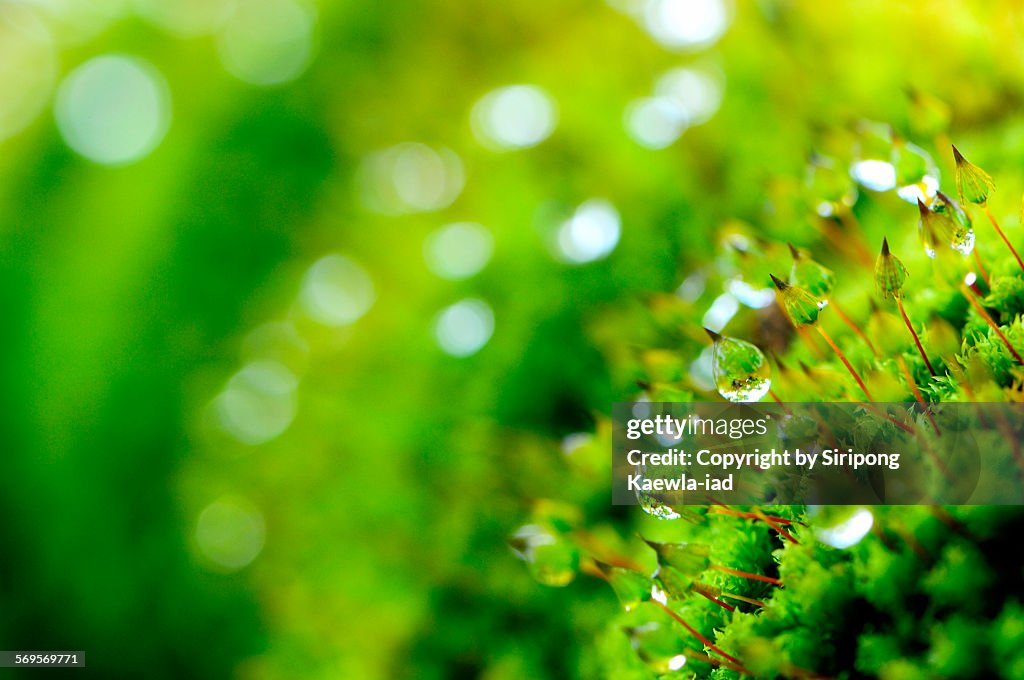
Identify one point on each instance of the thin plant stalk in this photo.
(853, 227)
(703, 593)
(981, 269)
(846, 362)
(995, 224)
(746, 575)
(854, 327)
(917, 340)
(917, 393)
(741, 598)
(695, 633)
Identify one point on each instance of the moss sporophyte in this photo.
(740, 370)
(802, 308)
(890, 275)
(974, 185)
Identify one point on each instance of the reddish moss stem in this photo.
(725, 510)
(917, 393)
(981, 269)
(746, 575)
(855, 328)
(992, 219)
(748, 600)
(846, 362)
(917, 340)
(701, 591)
(695, 633)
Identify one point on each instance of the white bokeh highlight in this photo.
(267, 42)
(875, 175)
(514, 117)
(458, 251)
(28, 68)
(410, 178)
(686, 24)
(655, 122)
(336, 291)
(590, 234)
(186, 18)
(696, 92)
(848, 533)
(113, 109)
(464, 328)
(230, 533)
(258, 403)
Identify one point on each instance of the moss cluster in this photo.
(897, 593)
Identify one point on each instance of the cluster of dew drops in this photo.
(740, 370)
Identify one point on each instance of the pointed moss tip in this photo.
(885, 245)
(793, 250)
(957, 155)
(779, 283)
(922, 207)
(715, 337)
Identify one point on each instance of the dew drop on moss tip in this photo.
(740, 370)
(631, 587)
(658, 646)
(651, 504)
(552, 560)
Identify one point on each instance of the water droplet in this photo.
(658, 646)
(552, 559)
(963, 241)
(631, 587)
(740, 370)
(940, 229)
(650, 503)
(962, 238)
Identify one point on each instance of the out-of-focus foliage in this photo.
(260, 420)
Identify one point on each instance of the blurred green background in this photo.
(266, 412)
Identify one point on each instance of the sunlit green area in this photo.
(314, 312)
